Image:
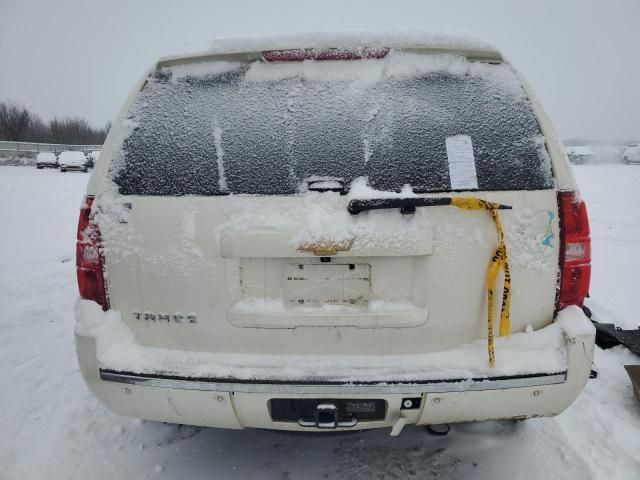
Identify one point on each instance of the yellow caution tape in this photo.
(498, 261)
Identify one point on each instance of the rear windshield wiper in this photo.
(406, 205)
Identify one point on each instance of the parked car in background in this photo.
(71, 160)
(579, 155)
(297, 235)
(632, 155)
(46, 159)
(92, 158)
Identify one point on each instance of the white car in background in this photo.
(580, 155)
(631, 155)
(296, 234)
(71, 160)
(92, 158)
(46, 159)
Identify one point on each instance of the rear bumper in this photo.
(73, 167)
(242, 403)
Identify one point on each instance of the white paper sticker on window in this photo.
(462, 163)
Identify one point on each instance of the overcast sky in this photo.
(82, 57)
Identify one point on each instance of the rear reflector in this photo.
(575, 251)
(89, 259)
(300, 54)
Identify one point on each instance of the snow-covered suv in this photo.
(46, 159)
(312, 233)
(92, 158)
(71, 160)
(631, 155)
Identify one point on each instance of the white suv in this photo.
(317, 234)
(631, 155)
(46, 159)
(71, 160)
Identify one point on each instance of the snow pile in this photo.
(434, 38)
(542, 351)
(397, 64)
(181, 71)
(531, 245)
(270, 306)
(449, 39)
(70, 158)
(222, 179)
(46, 157)
(15, 160)
(323, 217)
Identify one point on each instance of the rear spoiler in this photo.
(477, 55)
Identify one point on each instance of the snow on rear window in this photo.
(266, 128)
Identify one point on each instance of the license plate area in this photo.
(311, 410)
(319, 284)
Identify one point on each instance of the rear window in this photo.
(264, 128)
(72, 156)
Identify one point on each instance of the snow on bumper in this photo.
(537, 374)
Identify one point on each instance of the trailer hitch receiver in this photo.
(326, 417)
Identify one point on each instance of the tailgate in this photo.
(400, 284)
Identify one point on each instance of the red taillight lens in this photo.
(575, 250)
(89, 261)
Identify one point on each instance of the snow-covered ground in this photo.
(52, 427)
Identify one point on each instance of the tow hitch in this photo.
(326, 416)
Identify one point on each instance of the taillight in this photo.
(575, 250)
(89, 259)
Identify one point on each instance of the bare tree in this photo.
(14, 121)
(18, 124)
(38, 131)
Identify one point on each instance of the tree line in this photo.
(18, 124)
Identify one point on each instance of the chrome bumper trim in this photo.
(321, 387)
